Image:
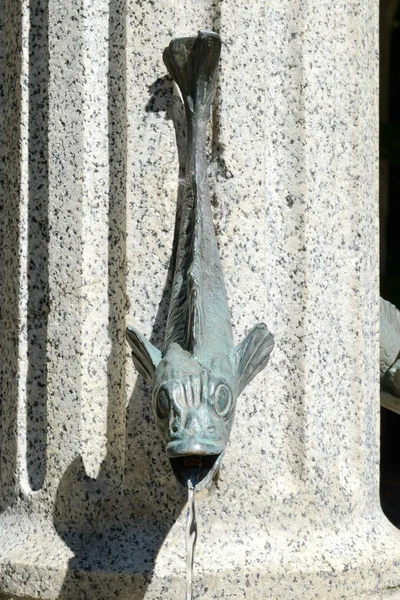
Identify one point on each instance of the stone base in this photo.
(361, 562)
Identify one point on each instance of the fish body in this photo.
(199, 372)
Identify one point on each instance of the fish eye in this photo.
(222, 400)
(163, 405)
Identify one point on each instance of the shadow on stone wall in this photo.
(10, 175)
(38, 244)
(116, 534)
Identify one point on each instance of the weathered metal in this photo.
(389, 358)
(199, 373)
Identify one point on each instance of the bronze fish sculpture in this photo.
(389, 358)
(199, 373)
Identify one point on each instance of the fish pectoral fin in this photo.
(252, 354)
(145, 356)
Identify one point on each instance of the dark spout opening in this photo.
(195, 468)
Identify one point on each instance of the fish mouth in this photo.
(197, 468)
(193, 446)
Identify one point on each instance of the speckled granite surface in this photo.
(90, 508)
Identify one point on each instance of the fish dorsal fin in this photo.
(252, 354)
(145, 356)
(193, 64)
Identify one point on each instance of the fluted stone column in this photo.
(91, 165)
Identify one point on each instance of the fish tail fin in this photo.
(193, 64)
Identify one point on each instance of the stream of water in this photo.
(191, 537)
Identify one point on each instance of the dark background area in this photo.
(390, 150)
(390, 242)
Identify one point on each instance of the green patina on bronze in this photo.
(389, 358)
(199, 373)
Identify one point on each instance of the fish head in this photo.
(194, 407)
(194, 397)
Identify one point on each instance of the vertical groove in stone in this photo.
(285, 243)
(326, 310)
(2, 195)
(38, 239)
(117, 131)
(13, 356)
(66, 191)
(95, 206)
